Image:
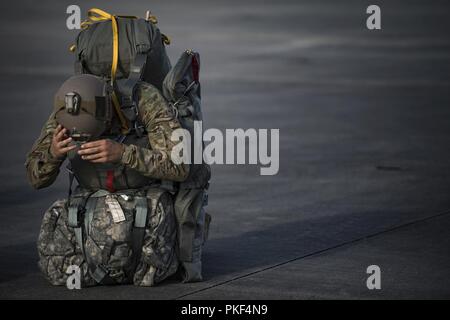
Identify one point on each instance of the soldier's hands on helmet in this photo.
(101, 151)
(60, 143)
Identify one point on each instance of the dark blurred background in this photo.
(364, 144)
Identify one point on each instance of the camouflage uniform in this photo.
(156, 115)
(57, 245)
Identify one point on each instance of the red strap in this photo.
(110, 180)
(195, 68)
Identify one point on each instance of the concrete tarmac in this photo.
(363, 115)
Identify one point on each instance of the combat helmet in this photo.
(83, 106)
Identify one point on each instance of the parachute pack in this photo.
(128, 51)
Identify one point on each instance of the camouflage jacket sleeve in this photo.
(160, 122)
(42, 168)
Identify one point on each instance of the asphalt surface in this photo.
(364, 145)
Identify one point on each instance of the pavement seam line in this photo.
(346, 243)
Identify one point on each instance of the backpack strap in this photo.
(127, 89)
(71, 178)
(74, 221)
(140, 222)
(100, 272)
(80, 208)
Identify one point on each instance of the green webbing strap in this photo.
(79, 237)
(100, 275)
(140, 222)
(71, 177)
(100, 272)
(77, 207)
(127, 88)
(89, 213)
(73, 213)
(75, 223)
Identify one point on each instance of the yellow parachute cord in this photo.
(96, 15)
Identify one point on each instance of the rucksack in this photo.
(139, 44)
(128, 50)
(181, 88)
(125, 50)
(134, 245)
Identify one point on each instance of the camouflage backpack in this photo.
(134, 246)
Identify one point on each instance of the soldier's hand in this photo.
(60, 143)
(101, 151)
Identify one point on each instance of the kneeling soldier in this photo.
(118, 225)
